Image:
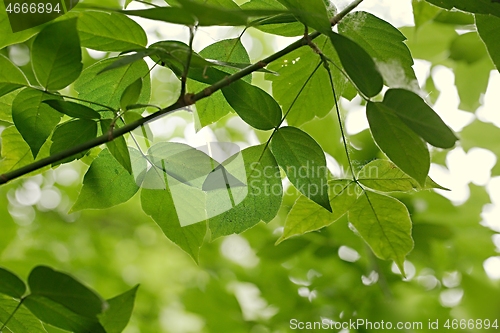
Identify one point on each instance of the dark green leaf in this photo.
(384, 224)
(385, 44)
(70, 134)
(117, 316)
(131, 94)
(23, 320)
(118, 147)
(253, 105)
(420, 117)
(312, 13)
(72, 109)
(358, 64)
(128, 59)
(11, 284)
(488, 27)
(65, 290)
(11, 77)
(306, 216)
(304, 163)
(262, 200)
(107, 88)
(474, 6)
(7, 37)
(107, 183)
(166, 14)
(405, 148)
(281, 24)
(157, 202)
(56, 55)
(34, 120)
(58, 315)
(109, 31)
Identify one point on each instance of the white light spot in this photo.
(451, 279)
(451, 297)
(238, 250)
(410, 270)
(492, 267)
(372, 278)
(50, 199)
(28, 194)
(348, 254)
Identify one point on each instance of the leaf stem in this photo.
(186, 100)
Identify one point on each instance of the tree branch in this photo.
(189, 100)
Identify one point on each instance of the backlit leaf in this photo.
(23, 320)
(11, 77)
(312, 13)
(56, 55)
(487, 27)
(304, 162)
(71, 134)
(117, 316)
(131, 94)
(109, 31)
(384, 224)
(34, 120)
(107, 183)
(117, 147)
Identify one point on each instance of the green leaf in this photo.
(6, 106)
(312, 13)
(294, 71)
(11, 284)
(34, 119)
(107, 183)
(384, 224)
(281, 24)
(420, 117)
(304, 163)
(209, 110)
(487, 27)
(131, 94)
(471, 81)
(117, 316)
(263, 199)
(70, 134)
(11, 77)
(23, 320)
(158, 203)
(118, 147)
(384, 176)
(467, 47)
(473, 135)
(385, 44)
(173, 15)
(16, 153)
(306, 216)
(65, 290)
(403, 146)
(107, 88)
(423, 12)
(474, 6)
(72, 109)
(56, 56)
(58, 315)
(109, 31)
(256, 107)
(8, 37)
(358, 64)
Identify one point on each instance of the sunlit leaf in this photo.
(384, 224)
(34, 120)
(306, 216)
(71, 134)
(107, 183)
(11, 77)
(117, 316)
(56, 55)
(109, 31)
(312, 13)
(304, 162)
(23, 320)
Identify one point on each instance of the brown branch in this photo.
(180, 104)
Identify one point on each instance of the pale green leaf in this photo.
(109, 31)
(255, 106)
(6, 106)
(358, 65)
(467, 47)
(420, 117)
(306, 216)
(430, 42)
(107, 183)
(304, 162)
(117, 147)
(11, 284)
(23, 320)
(11, 77)
(385, 44)
(403, 146)
(262, 200)
(488, 27)
(117, 316)
(34, 120)
(158, 203)
(471, 81)
(384, 224)
(107, 88)
(72, 109)
(423, 12)
(56, 55)
(70, 134)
